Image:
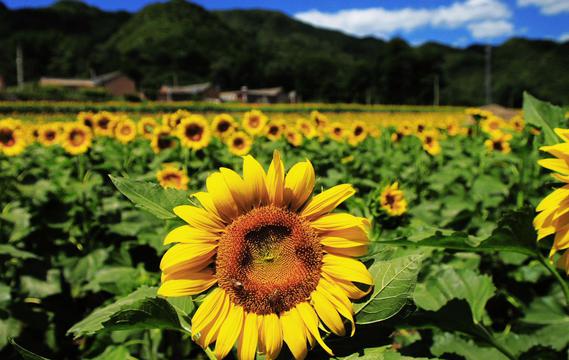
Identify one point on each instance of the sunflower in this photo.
(87, 119)
(48, 134)
(239, 143)
(104, 123)
(280, 263)
(194, 132)
(223, 125)
(358, 132)
(275, 129)
(254, 122)
(125, 130)
(375, 132)
(319, 119)
(294, 137)
(397, 136)
(146, 126)
(306, 128)
(171, 176)
(431, 145)
(76, 138)
(517, 123)
(392, 200)
(499, 142)
(12, 139)
(553, 217)
(162, 139)
(492, 124)
(173, 120)
(405, 128)
(336, 131)
(453, 129)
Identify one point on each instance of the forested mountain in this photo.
(181, 42)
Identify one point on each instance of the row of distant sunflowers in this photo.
(195, 131)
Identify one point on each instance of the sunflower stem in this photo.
(209, 353)
(564, 286)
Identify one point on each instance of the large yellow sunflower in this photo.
(279, 261)
(254, 122)
(194, 132)
(553, 217)
(76, 138)
(12, 139)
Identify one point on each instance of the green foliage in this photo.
(394, 281)
(153, 198)
(544, 116)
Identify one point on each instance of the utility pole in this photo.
(488, 74)
(20, 67)
(436, 91)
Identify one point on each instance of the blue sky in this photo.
(453, 22)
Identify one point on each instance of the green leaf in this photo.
(447, 343)
(14, 252)
(378, 353)
(394, 282)
(514, 233)
(139, 310)
(42, 288)
(151, 197)
(447, 284)
(26, 354)
(544, 116)
(114, 353)
(9, 328)
(547, 310)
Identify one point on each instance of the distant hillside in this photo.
(182, 42)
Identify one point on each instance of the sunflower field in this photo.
(255, 234)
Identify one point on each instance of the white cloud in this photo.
(381, 22)
(491, 29)
(564, 37)
(547, 7)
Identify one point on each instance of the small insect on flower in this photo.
(171, 176)
(278, 261)
(552, 218)
(392, 200)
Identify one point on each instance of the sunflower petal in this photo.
(294, 334)
(346, 268)
(186, 287)
(185, 254)
(299, 184)
(310, 319)
(229, 331)
(247, 345)
(187, 234)
(327, 201)
(199, 218)
(327, 313)
(210, 332)
(339, 221)
(255, 180)
(221, 196)
(206, 200)
(338, 298)
(275, 180)
(272, 335)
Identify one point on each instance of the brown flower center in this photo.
(164, 141)
(194, 132)
(7, 137)
(269, 260)
(104, 123)
(223, 126)
(254, 121)
(126, 130)
(239, 143)
(358, 131)
(76, 137)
